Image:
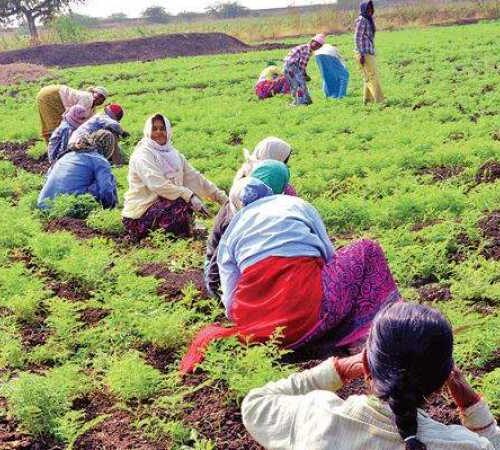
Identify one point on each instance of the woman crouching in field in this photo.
(408, 357)
(164, 189)
(85, 170)
(278, 270)
(270, 148)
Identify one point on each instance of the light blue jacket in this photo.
(59, 139)
(279, 225)
(80, 173)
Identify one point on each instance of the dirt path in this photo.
(144, 49)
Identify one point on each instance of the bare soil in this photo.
(441, 173)
(35, 333)
(488, 172)
(79, 228)
(173, 282)
(215, 419)
(16, 152)
(158, 357)
(490, 227)
(434, 293)
(21, 73)
(144, 49)
(92, 316)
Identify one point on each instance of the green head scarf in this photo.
(273, 173)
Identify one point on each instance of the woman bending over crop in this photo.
(164, 189)
(408, 357)
(278, 269)
(271, 148)
(83, 171)
(54, 100)
(271, 82)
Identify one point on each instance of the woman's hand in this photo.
(350, 368)
(362, 59)
(460, 389)
(198, 205)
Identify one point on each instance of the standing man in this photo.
(364, 39)
(295, 69)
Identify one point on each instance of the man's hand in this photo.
(350, 368)
(362, 59)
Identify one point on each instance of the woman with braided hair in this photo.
(408, 356)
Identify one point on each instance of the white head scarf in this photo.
(235, 203)
(100, 90)
(166, 155)
(269, 148)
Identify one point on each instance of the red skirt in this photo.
(276, 293)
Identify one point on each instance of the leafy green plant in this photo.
(37, 151)
(39, 402)
(129, 377)
(66, 205)
(107, 220)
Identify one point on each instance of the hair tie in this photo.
(409, 438)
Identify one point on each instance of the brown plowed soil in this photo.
(215, 419)
(79, 228)
(434, 293)
(68, 290)
(490, 227)
(35, 333)
(173, 282)
(441, 173)
(158, 357)
(144, 49)
(16, 152)
(92, 316)
(488, 172)
(21, 73)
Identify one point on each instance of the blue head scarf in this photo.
(363, 12)
(273, 173)
(254, 190)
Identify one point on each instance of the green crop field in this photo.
(92, 327)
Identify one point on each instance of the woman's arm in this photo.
(269, 412)
(202, 187)
(105, 184)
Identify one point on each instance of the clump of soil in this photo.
(490, 365)
(490, 227)
(10, 437)
(16, 153)
(21, 73)
(488, 172)
(117, 433)
(68, 290)
(92, 316)
(34, 333)
(173, 282)
(216, 420)
(78, 227)
(434, 293)
(144, 49)
(465, 243)
(158, 357)
(441, 173)
(95, 404)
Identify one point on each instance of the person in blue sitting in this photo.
(84, 171)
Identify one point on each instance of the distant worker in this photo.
(295, 69)
(59, 139)
(107, 120)
(365, 48)
(271, 82)
(84, 171)
(53, 101)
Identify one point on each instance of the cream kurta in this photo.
(302, 412)
(150, 178)
(71, 97)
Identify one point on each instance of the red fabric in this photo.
(277, 292)
(116, 110)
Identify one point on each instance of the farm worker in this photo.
(407, 358)
(54, 100)
(58, 142)
(84, 171)
(295, 69)
(271, 82)
(279, 270)
(364, 38)
(270, 148)
(164, 189)
(107, 120)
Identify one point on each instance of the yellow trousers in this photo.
(50, 108)
(372, 91)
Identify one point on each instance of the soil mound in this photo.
(21, 73)
(490, 227)
(488, 172)
(144, 49)
(16, 152)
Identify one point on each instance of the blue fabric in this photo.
(254, 190)
(80, 173)
(335, 76)
(59, 139)
(96, 123)
(279, 225)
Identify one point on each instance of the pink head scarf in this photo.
(75, 115)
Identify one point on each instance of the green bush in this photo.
(107, 220)
(66, 205)
(129, 377)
